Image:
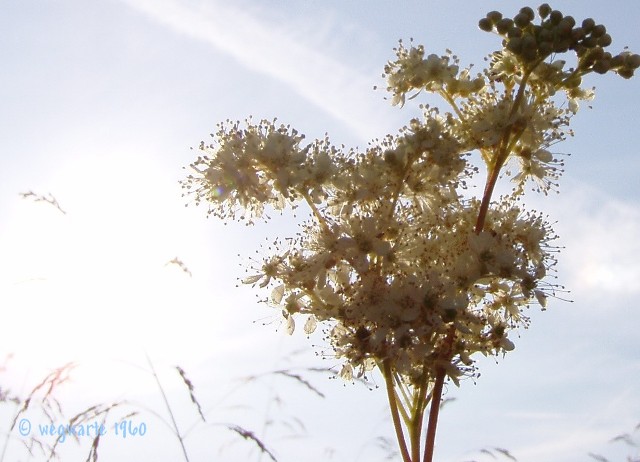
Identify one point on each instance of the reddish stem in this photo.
(492, 179)
(433, 415)
(436, 396)
(503, 151)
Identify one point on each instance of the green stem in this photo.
(401, 393)
(316, 213)
(393, 406)
(418, 413)
(447, 97)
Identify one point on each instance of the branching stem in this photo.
(504, 150)
(316, 213)
(393, 406)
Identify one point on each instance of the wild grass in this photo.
(41, 404)
(48, 198)
(630, 439)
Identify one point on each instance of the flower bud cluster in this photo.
(557, 33)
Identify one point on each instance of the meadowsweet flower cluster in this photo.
(412, 71)
(400, 264)
(262, 164)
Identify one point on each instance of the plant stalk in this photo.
(393, 406)
(434, 411)
(502, 154)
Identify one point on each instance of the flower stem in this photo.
(486, 199)
(433, 415)
(436, 395)
(393, 406)
(420, 396)
(316, 213)
(504, 150)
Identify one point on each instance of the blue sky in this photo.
(99, 105)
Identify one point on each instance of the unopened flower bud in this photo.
(485, 25)
(605, 40)
(617, 61)
(514, 32)
(528, 12)
(598, 31)
(632, 61)
(544, 10)
(580, 50)
(564, 27)
(625, 73)
(521, 20)
(494, 16)
(577, 33)
(602, 66)
(504, 25)
(598, 53)
(588, 24)
(555, 17)
(562, 46)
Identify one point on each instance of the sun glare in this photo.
(101, 282)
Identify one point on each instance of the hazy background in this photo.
(99, 104)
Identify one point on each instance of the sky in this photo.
(100, 103)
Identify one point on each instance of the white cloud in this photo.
(601, 237)
(286, 53)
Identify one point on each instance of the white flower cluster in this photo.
(398, 265)
(255, 166)
(412, 71)
(390, 259)
(396, 284)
